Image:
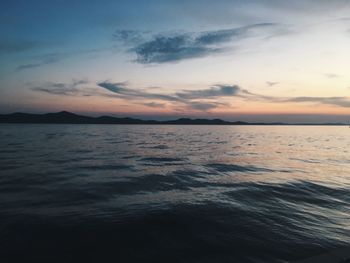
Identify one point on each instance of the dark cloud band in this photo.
(202, 99)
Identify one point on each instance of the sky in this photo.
(266, 60)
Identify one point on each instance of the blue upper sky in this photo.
(248, 60)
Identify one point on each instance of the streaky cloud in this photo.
(226, 35)
(188, 99)
(215, 91)
(114, 87)
(203, 106)
(42, 61)
(173, 47)
(29, 66)
(63, 89)
(199, 100)
(192, 98)
(336, 101)
(58, 89)
(154, 104)
(121, 89)
(212, 92)
(54, 57)
(271, 83)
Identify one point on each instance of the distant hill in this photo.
(65, 117)
(71, 118)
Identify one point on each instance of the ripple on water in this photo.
(91, 193)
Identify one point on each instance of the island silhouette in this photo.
(65, 117)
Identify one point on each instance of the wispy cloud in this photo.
(42, 60)
(200, 100)
(63, 89)
(227, 35)
(53, 57)
(121, 89)
(212, 92)
(209, 98)
(128, 36)
(172, 47)
(336, 101)
(271, 83)
(154, 104)
(204, 106)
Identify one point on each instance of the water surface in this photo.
(134, 193)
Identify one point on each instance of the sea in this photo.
(172, 193)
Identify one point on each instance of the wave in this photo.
(109, 193)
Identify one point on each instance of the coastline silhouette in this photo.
(65, 117)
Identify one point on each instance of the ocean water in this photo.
(133, 193)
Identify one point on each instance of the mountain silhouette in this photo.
(72, 118)
(65, 117)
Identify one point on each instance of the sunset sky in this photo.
(264, 60)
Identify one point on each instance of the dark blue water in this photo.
(109, 193)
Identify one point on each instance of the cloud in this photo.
(163, 49)
(114, 87)
(336, 101)
(29, 66)
(172, 47)
(203, 106)
(62, 89)
(128, 36)
(121, 89)
(203, 100)
(54, 57)
(212, 92)
(42, 61)
(58, 89)
(154, 104)
(199, 100)
(271, 83)
(226, 35)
